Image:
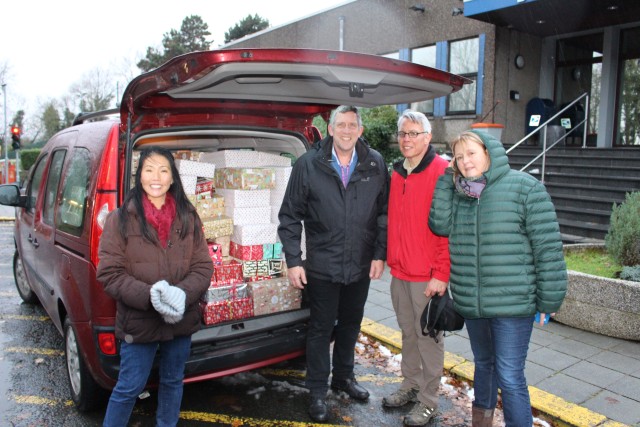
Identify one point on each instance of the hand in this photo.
(435, 286)
(377, 267)
(297, 277)
(169, 301)
(544, 318)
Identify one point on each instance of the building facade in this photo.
(527, 58)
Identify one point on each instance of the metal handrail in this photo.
(543, 154)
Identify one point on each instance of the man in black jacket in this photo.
(339, 190)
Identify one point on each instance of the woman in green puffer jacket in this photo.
(506, 264)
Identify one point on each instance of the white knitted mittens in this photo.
(169, 301)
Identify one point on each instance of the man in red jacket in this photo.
(419, 262)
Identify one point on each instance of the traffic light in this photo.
(15, 137)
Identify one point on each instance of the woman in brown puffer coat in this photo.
(155, 263)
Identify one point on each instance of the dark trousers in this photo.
(336, 309)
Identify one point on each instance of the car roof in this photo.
(273, 87)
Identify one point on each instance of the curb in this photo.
(566, 413)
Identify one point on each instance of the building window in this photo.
(424, 56)
(628, 90)
(464, 61)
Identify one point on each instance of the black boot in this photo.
(318, 410)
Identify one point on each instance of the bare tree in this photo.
(94, 92)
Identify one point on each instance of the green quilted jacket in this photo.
(505, 247)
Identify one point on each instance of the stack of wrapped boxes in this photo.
(238, 195)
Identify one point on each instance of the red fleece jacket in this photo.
(414, 253)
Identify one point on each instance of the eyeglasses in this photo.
(412, 134)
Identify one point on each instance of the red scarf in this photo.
(161, 219)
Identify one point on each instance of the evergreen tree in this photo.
(248, 25)
(191, 37)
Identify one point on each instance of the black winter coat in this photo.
(345, 228)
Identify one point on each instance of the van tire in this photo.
(22, 284)
(85, 392)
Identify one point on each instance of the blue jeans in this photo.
(330, 302)
(136, 361)
(500, 347)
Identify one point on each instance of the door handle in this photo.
(35, 243)
(29, 238)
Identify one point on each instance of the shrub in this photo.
(623, 239)
(28, 157)
(631, 273)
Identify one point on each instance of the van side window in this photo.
(34, 183)
(70, 215)
(53, 179)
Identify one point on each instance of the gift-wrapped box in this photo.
(232, 158)
(215, 252)
(224, 311)
(202, 169)
(226, 273)
(204, 187)
(226, 292)
(282, 177)
(245, 198)
(245, 178)
(189, 183)
(270, 159)
(244, 216)
(267, 251)
(211, 207)
(215, 227)
(243, 252)
(274, 295)
(276, 197)
(225, 243)
(186, 155)
(277, 267)
(255, 234)
(255, 268)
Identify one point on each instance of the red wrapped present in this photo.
(215, 252)
(228, 272)
(243, 252)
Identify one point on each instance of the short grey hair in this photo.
(345, 109)
(415, 117)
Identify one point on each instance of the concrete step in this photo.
(580, 214)
(614, 194)
(585, 229)
(630, 183)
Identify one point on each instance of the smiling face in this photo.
(413, 149)
(156, 178)
(471, 158)
(345, 132)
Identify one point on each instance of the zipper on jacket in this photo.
(478, 255)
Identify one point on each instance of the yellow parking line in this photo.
(32, 350)
(244, 421)
(42, 401)
(24, 317)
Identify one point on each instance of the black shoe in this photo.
(318, 410)
(351, 387)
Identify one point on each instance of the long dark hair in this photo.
(184, 208)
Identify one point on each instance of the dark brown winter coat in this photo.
(128, 270)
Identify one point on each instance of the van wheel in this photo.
(85, 392)
(22, 284)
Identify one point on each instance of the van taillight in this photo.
(107, 343)
(107, 183)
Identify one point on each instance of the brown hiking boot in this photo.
(400, 398)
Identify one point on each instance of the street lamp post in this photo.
(4, 136)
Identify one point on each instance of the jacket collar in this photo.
(424, 163)
(499, 161)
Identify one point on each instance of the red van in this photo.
(251, 99)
